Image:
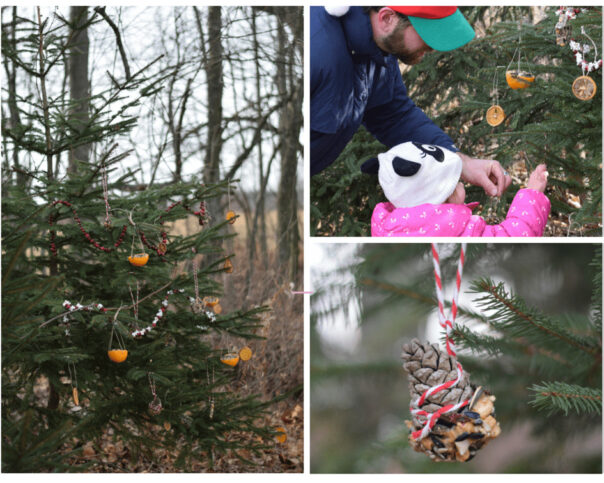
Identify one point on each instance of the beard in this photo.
(393, 43)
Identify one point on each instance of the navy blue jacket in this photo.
(353, 82)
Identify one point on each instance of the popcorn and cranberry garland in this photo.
(583, 87)
(579, 50)
(159, 316)
(162, 310)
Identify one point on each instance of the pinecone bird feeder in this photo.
(451, 419)
(456, 436)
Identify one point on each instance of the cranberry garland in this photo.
(52, 218)
(162, 247)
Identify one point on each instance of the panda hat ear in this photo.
(371, 166)
(337, 10)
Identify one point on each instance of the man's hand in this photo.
(488, 174)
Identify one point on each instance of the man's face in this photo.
(405, 44)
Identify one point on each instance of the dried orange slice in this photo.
(231, 216)
(245, 353)
(117, 355)
(217, 309)
(228, 266)
(495, 115)
(519, 79)
(211, 301)
(281, 435)
(139, 259)
(230, 359)
(584, 88)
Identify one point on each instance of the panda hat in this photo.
(412, 173)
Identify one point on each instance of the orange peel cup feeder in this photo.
(231, 359)
(518, 78)
(139, 259)
(116, 354)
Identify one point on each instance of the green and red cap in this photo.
(442, 28)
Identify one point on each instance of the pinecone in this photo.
(455, 436)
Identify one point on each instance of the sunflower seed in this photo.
(477, 393)
(471, 414)
(436, 440)
(462, 436)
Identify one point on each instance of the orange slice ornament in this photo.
(584, 88)
(139, 259)
(245, 354)
(231, 217)
(281, 435)
(495, 115)
(228, 266)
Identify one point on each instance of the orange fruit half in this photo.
(139, 259)
(230, 359)
(117, 355)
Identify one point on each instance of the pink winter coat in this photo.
(527, 216)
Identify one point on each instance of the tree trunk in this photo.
(290, 124)
(11, 81)
(78, 82)
(215, 87)
(211, 171)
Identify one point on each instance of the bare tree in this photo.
(79, 85)
(290, 86)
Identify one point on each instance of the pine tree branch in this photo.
(398, 290)
(559, 396)
(492, 290)
(108, 309)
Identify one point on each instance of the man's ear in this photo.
(387, 20)
(371, 166)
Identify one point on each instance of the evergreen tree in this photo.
(536, 347)
(70, 295)
(544, 123)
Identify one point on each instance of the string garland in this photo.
(52, 218)
(579, 51)
(448, 324)
(161, 247)
(159, 316)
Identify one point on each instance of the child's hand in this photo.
(538, 178)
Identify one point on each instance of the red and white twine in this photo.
(448, 324)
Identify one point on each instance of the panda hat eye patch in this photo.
(428, 149)
(404, 167)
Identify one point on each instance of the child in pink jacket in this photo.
(426, 198)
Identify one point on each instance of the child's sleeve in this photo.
(527, 216)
